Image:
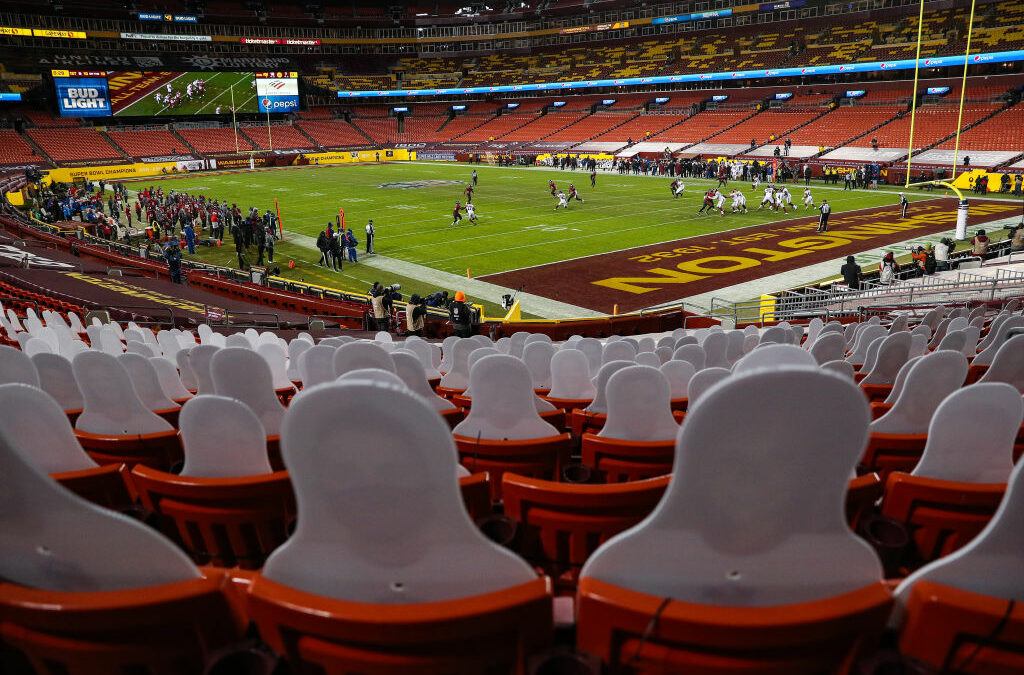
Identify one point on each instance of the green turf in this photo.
(218, 93)
(518, 226)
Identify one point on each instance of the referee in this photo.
(903, 206)
(823, 220)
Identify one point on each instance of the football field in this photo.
(140, 101)
(567, 255)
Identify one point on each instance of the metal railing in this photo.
(229, 313)
(147, 308)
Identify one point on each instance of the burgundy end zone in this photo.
(661, 273)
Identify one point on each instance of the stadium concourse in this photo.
(356, 337)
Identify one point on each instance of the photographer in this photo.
(942, 251)
(381, 299)
(415, 312)
(461, 316)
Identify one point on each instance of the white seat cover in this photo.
(447, 348)
(238, 340)
(37, 425)
(649, 359)
(985, 358)
(517, 343)
(354, 506)
(664, 354)
(307, 337)
(639, 406)
(990, 563)
(930, 380)
(295, 349)
(774, 356)
(918, 345)
(217, 340)
(678, 333)
(737, 521)
(715, 345)
(959, 323)
(363, 354)
(537, 357)
(410, 369)
(425, 352)
(901, 377)
(49, 336)
(111, 406)
(382, 336)
(844, 368)
(933, 316)
(678, 374)
(199, 358)
(109, 342)
(973, 453)
(891, 355)
(16, 366)
(704, 380)
(245, 375)
(955, 340)
(1008, 365)
(222, 438)
(485, 341)
(618, 351)
(872, 354)
(457, 376)
(570, 375)
(645, 344)
(666, 341)
(253, 336)
(169, 345)
(899, 324)
(188, 376)
(850, 332)
(141, 348)
(502, 344)
(775, 335)
(972, 334)
(692, 353)
(146, 382)
(734, 346)
(204, 331)
(600, 403)
(940, 332)
(277, 360)
(133, 333)
(750, 343)
(814, 329)
(377, 375)
(57, 380)
(170, 382)
(594, 350)
(316, 365)
(993, 330)
(503, 406)
(922, 330)
(75, 323)
(54, 540)
(118, 331)
(35, 346)
(687, 340)
(864, 340)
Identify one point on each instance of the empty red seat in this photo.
(537, 458)
(108, 485)
(622, 461)
(160, 450)
(562, 524)
(224, 522)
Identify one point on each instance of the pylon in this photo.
(468, 274)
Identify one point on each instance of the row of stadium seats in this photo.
(229, 507)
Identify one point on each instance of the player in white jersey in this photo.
(720, 202)
(768, 197)
(808, 199)
(739, 202)
(159, 98)
(169, 88)
(756, 182)
(471, 212)
(780, 201)
(561, 201)
(786, 197)
(679, 189)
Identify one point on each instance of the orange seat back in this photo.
(893, 452)
(224, 522)
(962, 632)
(160, 450)
(824, 636)
(941, 515)
(108, 485)
(563, 523)
(157, 630)
(494, 632)
(623, 461)
(538, 458)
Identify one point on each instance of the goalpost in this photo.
(962, 205)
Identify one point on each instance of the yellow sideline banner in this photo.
(966, 180)
(386, 155)
(68, 175)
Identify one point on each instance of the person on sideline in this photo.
(461, 316)
(851, 273)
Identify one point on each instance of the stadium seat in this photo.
(316, 365)
(425, 590)
(456, 377)
(891, 354)
(562, 524)
(243, 374)
(147, 385)
(503, 430)
(277, 360)
(571, 387)
(737, 594)
(592, 418)
(951, 495)
(898, 437)
(170, 381)
(963, 609)
(57, 379)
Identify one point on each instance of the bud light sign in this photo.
(82, 96)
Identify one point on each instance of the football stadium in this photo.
(682, 329)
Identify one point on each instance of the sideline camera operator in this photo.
(415, 312)
(381, 300)
(461, 316)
